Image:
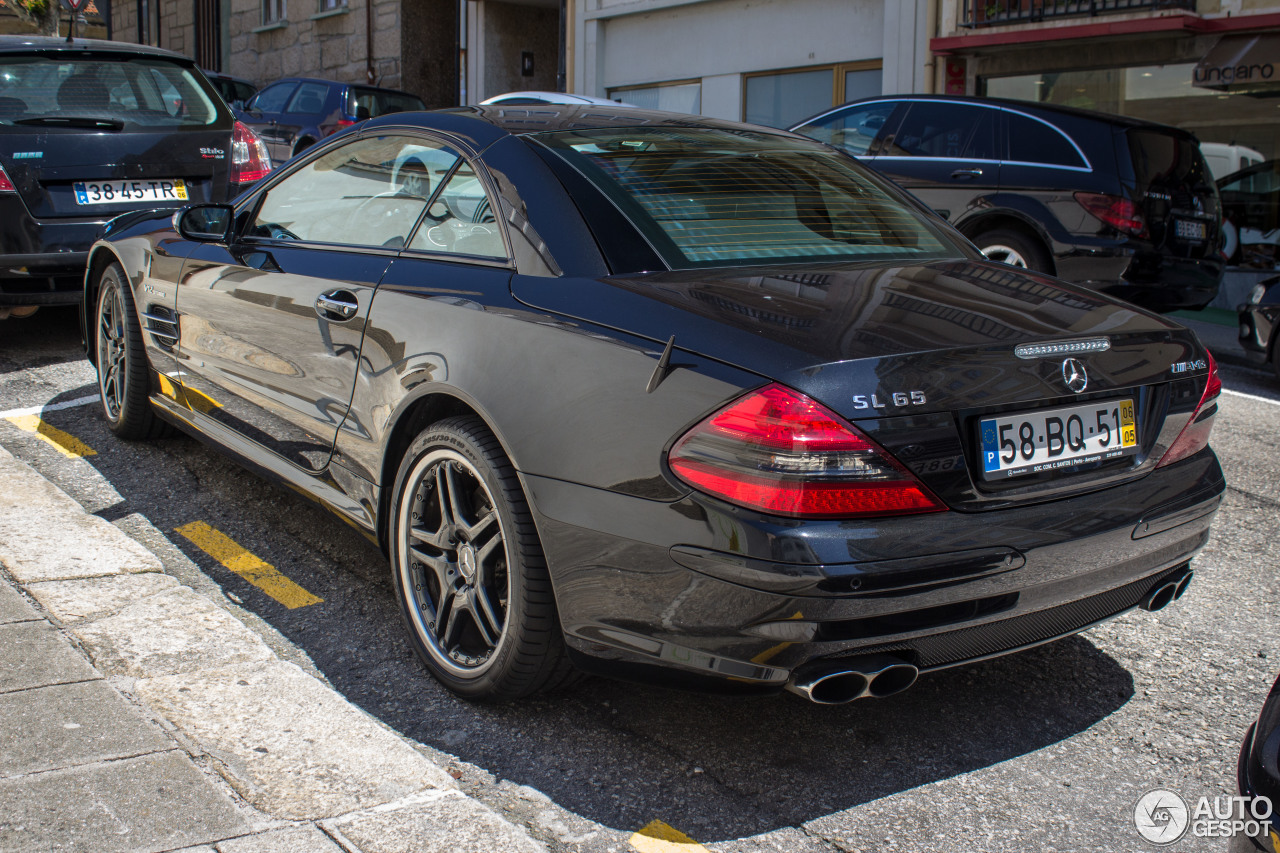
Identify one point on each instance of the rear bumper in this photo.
(766, 597)
(42, 261)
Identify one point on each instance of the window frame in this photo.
(280, 8)
(617, 92)
(838, 71)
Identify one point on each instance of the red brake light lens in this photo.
(249, 158)
(6, 185)
(1118, 212)
(781, 452)
(1195, 435)
(343, 124)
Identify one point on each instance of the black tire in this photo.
(303, 146)
(1014, 248)
(123, 370)
(469, 571)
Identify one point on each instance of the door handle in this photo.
(967, 173)
(337, 305)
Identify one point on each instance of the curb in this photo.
(309, 770)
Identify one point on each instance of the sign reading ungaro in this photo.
(1244, 64)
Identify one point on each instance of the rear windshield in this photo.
(710, 197)
(1165, 162)
(133, 91)
(365, 103)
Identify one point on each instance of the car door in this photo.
(1044, 164)
(945, 152)
(271, 324)
(263, 115)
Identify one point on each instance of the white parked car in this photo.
(516, 99)
(1223, 159)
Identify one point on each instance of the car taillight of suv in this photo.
(249, 159)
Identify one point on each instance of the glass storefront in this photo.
(1240, 128)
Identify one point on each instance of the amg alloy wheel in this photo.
(1012, 248)
(469, 571)
(122, 361)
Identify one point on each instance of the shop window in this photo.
(680, 97)
(783, 98)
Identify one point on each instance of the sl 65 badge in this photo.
(898, 398)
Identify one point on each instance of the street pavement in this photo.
(138, 715)
(254, 724)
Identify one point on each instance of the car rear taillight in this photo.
(343, 124)
(1195, 435)
(1118, 212)
(778, 451)
(249, 159)
(6, 185)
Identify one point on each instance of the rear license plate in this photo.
(120, 192)
(1189, 229)
(1052, 439)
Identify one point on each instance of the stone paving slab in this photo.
(157, 802)
(91, 598)
(15, 608)
(295, 839)
(51, 727)
(35, 655)
(290, 745)
(45, 535)
(433, 822)
(173, 632)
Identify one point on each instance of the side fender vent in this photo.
(162, 325)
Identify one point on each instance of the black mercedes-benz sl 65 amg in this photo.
(658, 397)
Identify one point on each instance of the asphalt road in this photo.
(1045, 750)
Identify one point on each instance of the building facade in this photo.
(771, 62)
(1209, 66)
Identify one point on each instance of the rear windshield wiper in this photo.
(73, 121)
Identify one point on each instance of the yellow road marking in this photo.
(195, 399)
(261, 574)
(65, 443)
(658, 837)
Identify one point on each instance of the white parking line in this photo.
(51, 407)
(1251, 397)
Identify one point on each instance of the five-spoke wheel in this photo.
(469, 571)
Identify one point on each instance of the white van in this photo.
(1223, 159)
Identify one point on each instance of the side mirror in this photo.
(206, 223)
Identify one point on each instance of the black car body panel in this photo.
(1258, 776)
(1017, 166)
(555, 342)
(45, 231)
(1260, 324)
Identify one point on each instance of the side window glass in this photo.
(309, 99)
(369, 192)
(461, 220)
(1032, 141)
(946, 130)
(852, 130)
(272, 98)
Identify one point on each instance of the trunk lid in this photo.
(46, 165)
(917, 356)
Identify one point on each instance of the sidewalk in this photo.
(139, 715)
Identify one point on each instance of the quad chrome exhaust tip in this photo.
(1167, 591)
(837, 682)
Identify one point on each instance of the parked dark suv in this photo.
(93, 129)
(297, 112)
(1123, 206)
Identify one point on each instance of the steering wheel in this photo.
(279, 232)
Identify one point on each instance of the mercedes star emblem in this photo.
(1074, 375)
